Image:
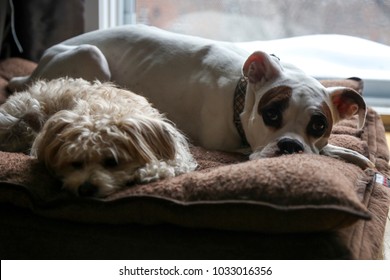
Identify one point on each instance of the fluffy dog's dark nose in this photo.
(290, 146)
(87, 189)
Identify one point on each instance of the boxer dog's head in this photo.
(288, 112)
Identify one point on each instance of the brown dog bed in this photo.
(290, 207)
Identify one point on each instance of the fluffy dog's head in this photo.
(287, 111)
(96, 154)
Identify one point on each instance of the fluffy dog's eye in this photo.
(110, 163)
(272, 116)
(77, 164)
(317, 126)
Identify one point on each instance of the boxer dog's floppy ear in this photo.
(260, 67)
(347, 102)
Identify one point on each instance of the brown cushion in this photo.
(297, 193)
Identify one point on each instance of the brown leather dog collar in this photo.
(238, 107)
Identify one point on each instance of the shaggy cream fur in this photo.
(94, 136)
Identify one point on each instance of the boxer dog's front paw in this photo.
(347, 155)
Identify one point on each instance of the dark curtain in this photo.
(38, 24)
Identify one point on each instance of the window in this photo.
(287, 28)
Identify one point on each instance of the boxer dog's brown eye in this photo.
(272, 116)
(273, 104)
(317, 126)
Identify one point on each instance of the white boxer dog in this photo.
(196, 83)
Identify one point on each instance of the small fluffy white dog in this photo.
(94, 136)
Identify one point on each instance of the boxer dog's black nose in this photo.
(289, 146)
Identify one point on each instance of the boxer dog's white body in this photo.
(193, 81)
